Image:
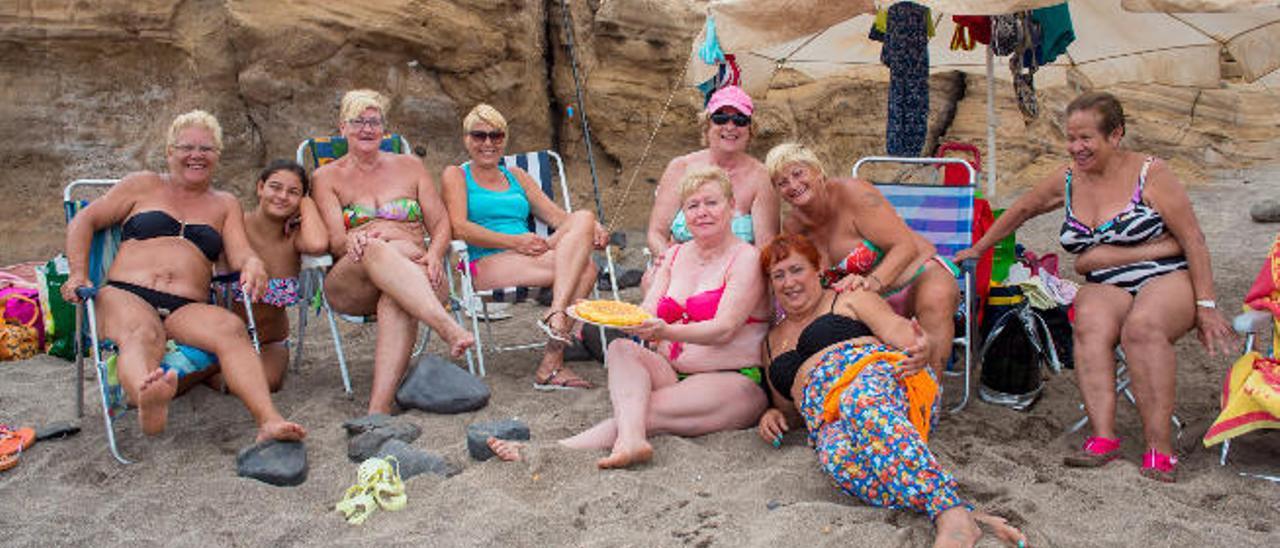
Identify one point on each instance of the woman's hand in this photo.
(773, 425)
(69, 287)
(600, 236)
(966, 254)
(854, 282)
(1213, 331)
(356, 241)
(253, 278)
(650, 330)
(531, 244)
(917, 353)
(435, 271)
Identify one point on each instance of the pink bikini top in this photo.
(698, 307)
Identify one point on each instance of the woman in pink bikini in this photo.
(704, 374)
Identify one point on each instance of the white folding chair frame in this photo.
(1250, 325)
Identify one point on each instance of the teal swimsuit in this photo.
(504, 212)
(741, 226)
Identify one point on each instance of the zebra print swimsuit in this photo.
(1138, 223)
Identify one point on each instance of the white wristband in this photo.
(1206, 303)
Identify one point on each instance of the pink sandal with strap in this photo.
(1159, 466)
(1095, 452)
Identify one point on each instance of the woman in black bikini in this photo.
(1148, 275)
(175, 227)
(855, 374)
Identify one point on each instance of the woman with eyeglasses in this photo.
(378, 207)
(174, 228)
(726, 130)
(489, 206)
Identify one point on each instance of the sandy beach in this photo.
(727, 489)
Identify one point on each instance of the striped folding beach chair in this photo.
(181, 358)
(944, 216)
(547, 168)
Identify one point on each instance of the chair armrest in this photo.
(320, 262)
(1252, 321)
(969, 265)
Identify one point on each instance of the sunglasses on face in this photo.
(739, 119)
(481, 136)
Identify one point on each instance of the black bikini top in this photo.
(823, 331)
(158, 224)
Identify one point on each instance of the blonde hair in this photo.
(698, 177)
(195, 118)
(487, 114)
(785, 154)
(356, 101)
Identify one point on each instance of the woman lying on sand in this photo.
(836, 359)
(711, 314)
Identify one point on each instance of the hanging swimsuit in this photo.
(158, 224)
(741, 225)
(399, 209)
(698, 307)
(823, 331)
(1137, 224)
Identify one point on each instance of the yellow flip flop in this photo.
(378, 484)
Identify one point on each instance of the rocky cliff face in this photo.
(89, 88)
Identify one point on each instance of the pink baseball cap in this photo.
(731, 96)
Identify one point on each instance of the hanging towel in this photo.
(978, 27)
(1055, 30)
(710, 52)
(906, 53)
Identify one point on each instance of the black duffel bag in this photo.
(1016, 343)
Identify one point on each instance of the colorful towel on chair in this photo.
(183, 359)
(1250, 399)
(1265, 292)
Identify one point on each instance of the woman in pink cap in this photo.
(726, 132)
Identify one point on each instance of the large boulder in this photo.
(438, 386)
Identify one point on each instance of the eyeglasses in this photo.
(202, 149)
(371, 123)
(493, 136)
(722, 118)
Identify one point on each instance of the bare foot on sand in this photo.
(459, 341)
(958, 528)
(627, 454)
(154, 396)
(1005, 532)
(505, 449)
(280, 430)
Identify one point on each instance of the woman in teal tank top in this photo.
(490, 207)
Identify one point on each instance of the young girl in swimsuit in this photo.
(284, 225)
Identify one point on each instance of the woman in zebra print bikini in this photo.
(1147, 269)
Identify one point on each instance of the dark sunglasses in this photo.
(739, 119)
(494, 136)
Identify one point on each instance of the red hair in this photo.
(781, 247)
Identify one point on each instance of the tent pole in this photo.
(582, 108)
(991, 124)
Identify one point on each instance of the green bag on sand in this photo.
(59, 315)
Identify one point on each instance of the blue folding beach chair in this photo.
(313, 153)
(181, 358)
(944, 216)
(547, 168)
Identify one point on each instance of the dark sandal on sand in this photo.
(559, 336)
(555, 382)
(1096, 452)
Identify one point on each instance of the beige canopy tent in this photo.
(825, 38)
